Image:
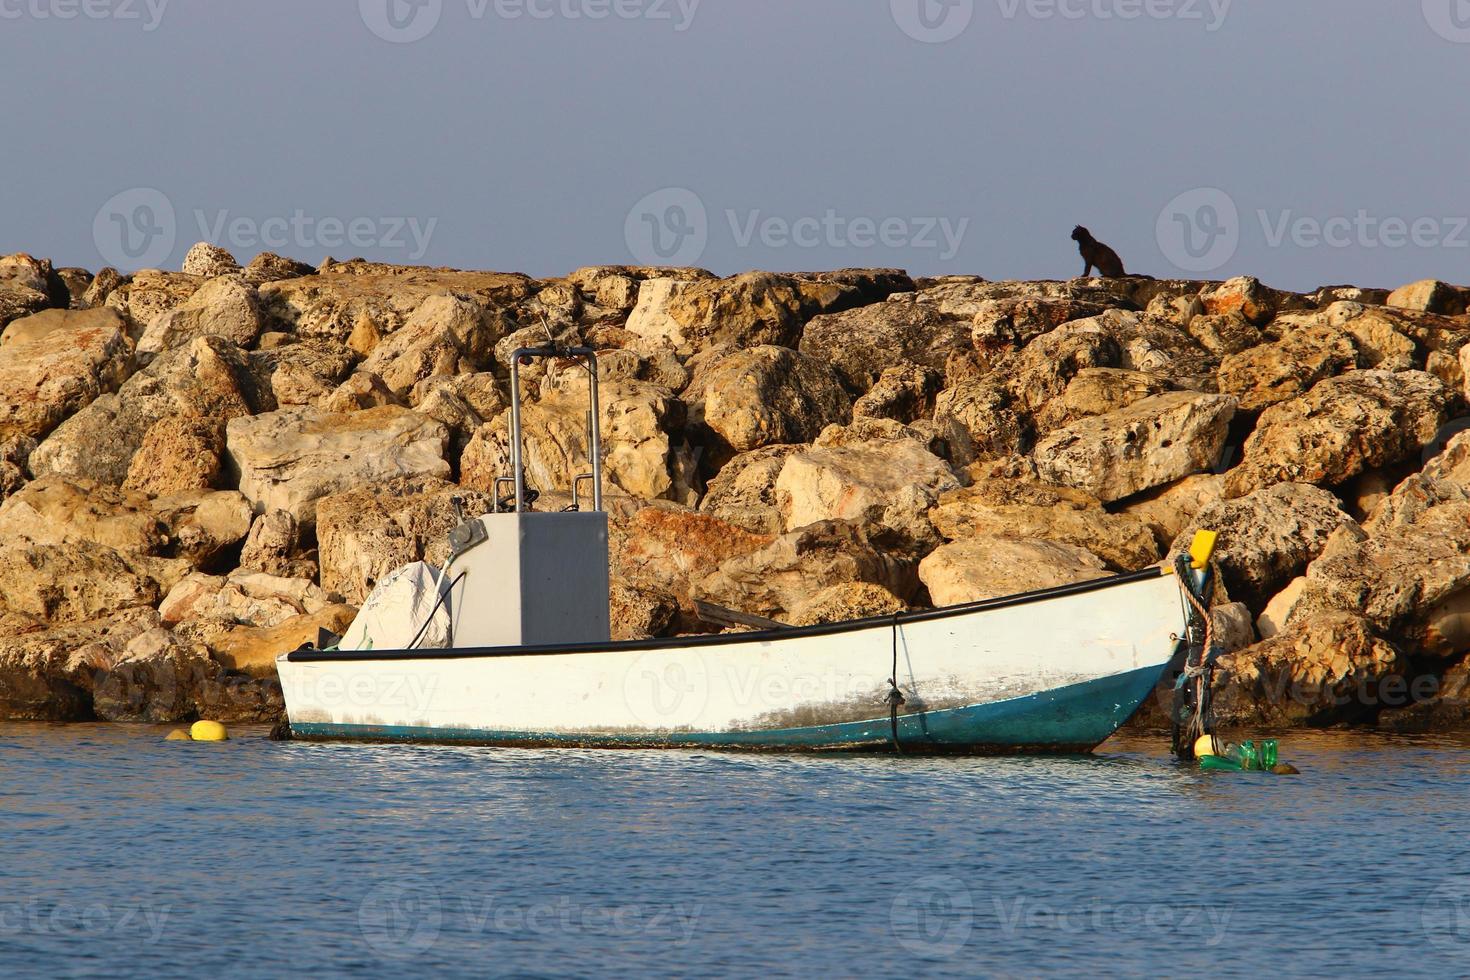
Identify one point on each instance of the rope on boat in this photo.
(443, 594)
(895, 696)
(1193, 688)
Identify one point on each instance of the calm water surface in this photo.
(124, 855)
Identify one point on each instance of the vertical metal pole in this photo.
(596, 426)
(515, 431)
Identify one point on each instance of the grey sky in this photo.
(523, 142)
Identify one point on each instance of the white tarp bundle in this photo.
(396, 610)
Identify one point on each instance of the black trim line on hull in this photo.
(728, 639)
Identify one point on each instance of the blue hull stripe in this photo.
(1074, 718)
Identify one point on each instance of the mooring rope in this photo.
(895, 696)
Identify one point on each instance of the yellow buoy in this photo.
(1204, 745)
(208, 731)
(177, 735)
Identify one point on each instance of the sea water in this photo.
(127, 856)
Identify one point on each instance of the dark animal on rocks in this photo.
(1109, 266)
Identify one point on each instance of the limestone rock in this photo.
(667, 549)
(290, 459)
(1409, 580)
(1430, 296)
(978, 419)
(1343, 426)
(1247, 296)
(253, 650)
(845, 602)
(210, 378)
(367, 532)
(23, 287)
(1279, 611)
(330, 304)
(1169, 509)
(985, 567)
(155, 679)
(887, 486)
(207, 261)
(243, 597)
(639, 614)
(1151, 442)
(270, 267)
(55, 363)
(272, 544)
(1044, 369)
(776, 579)
(1323, 670)
(15, 450)
(1098, 391)
(1002, 324)
(1267, 374)
(178, 453)
(863, 342)
(303, 373)
(744, 491)
(745, 310)
(72, 583)
(1225, 335)
(149, 292)
(1268, 537)
(226, 306)
(768, 395)
(102, 286)
(446, 335)
(362, 390)
(46, 673)
(1037, 511)
(904, 394)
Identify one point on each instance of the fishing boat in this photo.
(508, 644)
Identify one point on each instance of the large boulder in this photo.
(781, 577)
(845, 602)
(367, 532)
(47, 673)
(270, 267)
(1001, 507)
(744, 490)
(1247, 296)
(885, 485)
(446, 335)
(207, 260)
(1001, 324)
(861, 343)
(1343, 426)
(243, 597)
(1098, 391)
(978, 419)
(1267, 538)
(209, 378)
(1411, 581)
(1321, 671)
(766, 396)
(1150, 443)
(149, 292)
(904, 394)
(55, 363)
(988, 566)
(303, 373)
(23, 286)
(179, 453)
(290, 459)
(667, 549)
(377, 298)
(226, 306)
(745, 310)
(72, 583)
(1267, 374)
(1430, 296)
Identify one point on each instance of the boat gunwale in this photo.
(731, 639)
